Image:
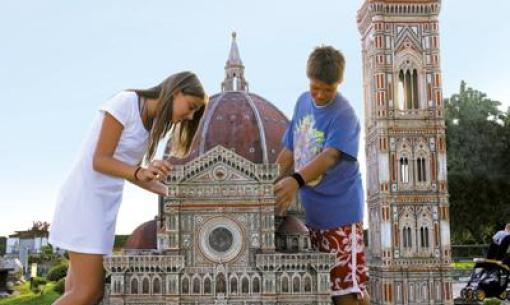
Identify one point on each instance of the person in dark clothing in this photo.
(500, 243)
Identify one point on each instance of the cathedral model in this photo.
(407, 195)
(216, 239)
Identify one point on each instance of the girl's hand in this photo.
(157, 170)
(285, 190)
(154, 186)
(158, 188)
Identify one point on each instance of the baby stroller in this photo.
(490, 278)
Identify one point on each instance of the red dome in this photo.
(241, 121)
(291, 225)
(235, 119)
(143, 237)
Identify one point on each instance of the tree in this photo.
(3, 245)
(478, 137)
(42, 226)
(120, 240)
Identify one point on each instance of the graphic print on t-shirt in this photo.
(308, 143)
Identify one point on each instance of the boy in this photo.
(321, 144)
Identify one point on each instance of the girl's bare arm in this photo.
(104, 162)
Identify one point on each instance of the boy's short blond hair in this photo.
(326, 64)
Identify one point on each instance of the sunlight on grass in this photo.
(463, 265)
(27, 297)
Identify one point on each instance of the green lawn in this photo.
(460, 265)
(27, 297)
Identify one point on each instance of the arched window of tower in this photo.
(404, 170)
(408, 89)
(421, 170)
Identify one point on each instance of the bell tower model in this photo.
(407, 195)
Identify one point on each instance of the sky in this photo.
(60, 60)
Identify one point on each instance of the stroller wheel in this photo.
(480, 295)
(503, 295)
(469, 294)
(463, 293)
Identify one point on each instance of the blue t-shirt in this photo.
(336, 198)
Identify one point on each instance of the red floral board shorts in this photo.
(349, 272)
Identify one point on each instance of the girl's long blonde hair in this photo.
(183, 132)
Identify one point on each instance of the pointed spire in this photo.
(234, 58)
(234, 70)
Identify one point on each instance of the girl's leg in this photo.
(69, 279)
(87, 280)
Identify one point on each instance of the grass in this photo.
(460, 265)
(27, 297)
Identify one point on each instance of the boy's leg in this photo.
(352, 299)
(348, 276)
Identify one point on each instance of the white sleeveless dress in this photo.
(88, 202)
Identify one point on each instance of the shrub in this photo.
(60, 286)
(37, 284)
(56, 273)
(492, 302)
(59, 261)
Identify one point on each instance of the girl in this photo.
(129, 126)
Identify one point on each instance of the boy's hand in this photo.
(285, 191)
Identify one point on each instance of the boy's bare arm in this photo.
(285, 160)
(320, 164)
(285, 189)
